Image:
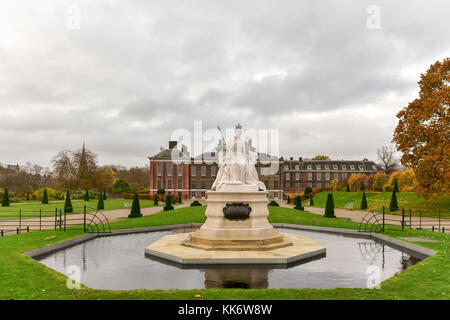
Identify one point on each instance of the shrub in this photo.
(161, 191)
(45, 197)
(393, 206)
(329, 207)
(135, 208)
(5, 199)
(308, 190)
(68, 203)
(121, 186)
(104, 194)
(155, 199)
(86, 196)
(379, 180)
(168, 205)
(347, 189)
(364, 201)
(395, 185)
(273, 203)
(180, 200)
(311, 201)
(195, 203)
(100, 203)
(298, 203)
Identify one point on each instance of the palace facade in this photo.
(177, 172)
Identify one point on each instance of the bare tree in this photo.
(388, 161)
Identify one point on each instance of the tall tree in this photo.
(423, 131)
(388, 162)
(321, 157)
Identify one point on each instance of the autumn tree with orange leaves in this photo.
(423, 132)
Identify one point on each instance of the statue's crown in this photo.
(238, 126)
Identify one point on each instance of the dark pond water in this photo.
(119, 262)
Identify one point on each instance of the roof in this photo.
(342, 165)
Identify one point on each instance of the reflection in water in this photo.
(119, 263)
(236, 278)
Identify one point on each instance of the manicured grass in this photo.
(377, 200)
(32, 209)
(24, 278)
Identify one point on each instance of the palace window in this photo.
(158, 170)
(327, 167)
(275, 185)
(309, 167)
(288, 184)
(193, 185)
(296, 167)
(169, 184)
(297, 176)
(309, 176)
(159, 184)
(335, 167)
(336, 176)
(203, 185)
(361, 167)
(352, 167)
(319, 176)
(180, 184)
(318, 166)
(193, 171)
(169, 170)
(288, 176)
(213, 171)
(180, 170)
(203, 171)
(286, 167)
(344, 167)
(319, 185)
(327, 176)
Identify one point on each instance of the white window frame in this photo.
(309, 176)
(169, 170)
(203, 171)
(213, 171)
(319, 176)
(193, 171)
(180, 170)
(327, 176)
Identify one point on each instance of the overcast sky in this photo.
(123, 75)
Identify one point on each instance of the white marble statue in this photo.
(237, 163)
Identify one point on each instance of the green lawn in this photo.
(32, 209)
(376, 200)
(24, 278)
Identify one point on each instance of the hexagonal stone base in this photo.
(170, 248)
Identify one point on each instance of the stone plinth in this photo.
(170, 248)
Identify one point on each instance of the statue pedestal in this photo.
(238, 231)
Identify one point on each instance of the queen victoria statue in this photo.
(237, 165)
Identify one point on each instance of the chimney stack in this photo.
(172, 144)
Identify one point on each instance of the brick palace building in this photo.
(178, 173)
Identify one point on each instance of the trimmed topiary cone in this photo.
(155, 199)
(135, 208)
(100, 203)
(45, 197)
(329, 207)
(168, 205)
(288, 199)
(364, 201)
(68, 203)
(273, 203)
(393, 206)
(298, 203)
(180, 200)
(395, 185)
(311, 201)
(104, 195)
(86, 195)
(5, 200)
(348, 188)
